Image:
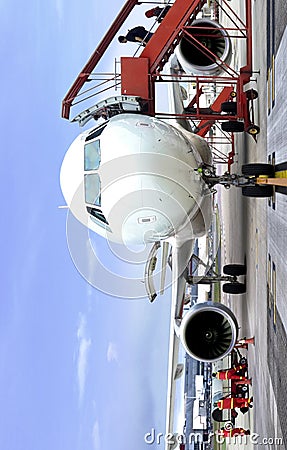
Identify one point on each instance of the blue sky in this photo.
(79, 369)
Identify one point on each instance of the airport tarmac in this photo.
(256, 229)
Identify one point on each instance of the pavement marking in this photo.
(274, 293)
(268, 91)
(281, 174)
(256, 249)
(269, 301)
(271, 290)
(270, 44)
(273, 81)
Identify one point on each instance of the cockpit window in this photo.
(93, 189)
(95, 133)
(97, 213)
(98, 217)
(92, 154)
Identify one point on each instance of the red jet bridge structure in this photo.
(139, 74)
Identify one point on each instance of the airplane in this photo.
(135, 179)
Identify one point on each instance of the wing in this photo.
(180, 258)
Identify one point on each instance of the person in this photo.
(232, 432)
(137, 34)
(234, 402)
(243, 343)
(234, 373)
(158, 12)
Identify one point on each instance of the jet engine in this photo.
(208, 332)
(209, 59)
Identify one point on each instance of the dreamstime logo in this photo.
(101, 262)
(228, 425)
(253, 438)
(172, 439)
(175, 439)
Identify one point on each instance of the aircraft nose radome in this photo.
(145, 208)
(145, 226)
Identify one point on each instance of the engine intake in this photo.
(215, 39)
(208, 331)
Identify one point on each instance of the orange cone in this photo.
(245, 341)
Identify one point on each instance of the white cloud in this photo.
(82, 327)
(112, 353)
(96, 436)
(82, 363)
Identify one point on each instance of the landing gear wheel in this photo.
(257, 191)
(234, 288)
(253, 130)
(232, 126)
(256, 169)
(243, 361)
(217, 415)
(244, 389)
(234, 269)
(251, 94)
(229, 107)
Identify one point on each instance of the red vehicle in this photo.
(237, 390)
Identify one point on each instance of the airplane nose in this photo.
(145, 226)
(148, 184)
(146, 208)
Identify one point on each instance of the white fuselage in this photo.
(135, 181)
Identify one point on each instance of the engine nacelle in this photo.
(208, 332)
(215, 39)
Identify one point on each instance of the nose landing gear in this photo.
(251, 179)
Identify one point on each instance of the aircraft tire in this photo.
(234, 288)
(243, 360)
(256, 169)
(257, 191)
(251, 94)
(232, 126)
(229, 107)
(253, 130)
(244, 388)
(244, 410)
(234, 269)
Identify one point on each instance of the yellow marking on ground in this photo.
(281, 174)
